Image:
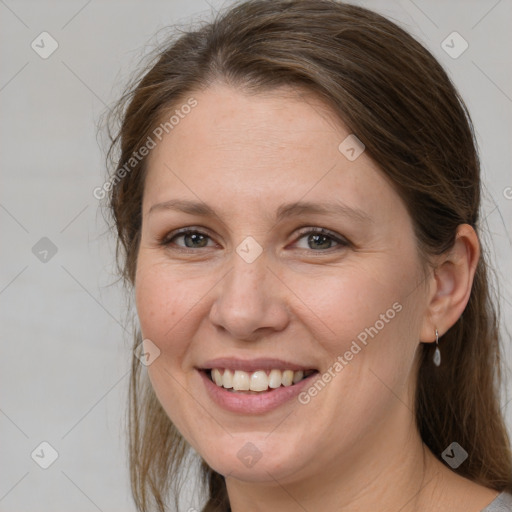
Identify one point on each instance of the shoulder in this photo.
(502, 503)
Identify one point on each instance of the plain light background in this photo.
(65, 353)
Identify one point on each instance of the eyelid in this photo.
(339, 239)
(166, 239)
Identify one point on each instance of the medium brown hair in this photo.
(390, 91)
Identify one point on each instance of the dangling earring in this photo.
(437, 353)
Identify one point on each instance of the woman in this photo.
(297, 198)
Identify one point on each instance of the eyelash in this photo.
(341, 242)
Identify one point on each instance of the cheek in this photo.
(154, 302)
(167, 305)
(370, 318)
(367, 321)
(360, 303)
(165, 300)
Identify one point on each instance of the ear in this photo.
(450, 283)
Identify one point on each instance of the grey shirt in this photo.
(502, 503)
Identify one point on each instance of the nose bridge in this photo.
(248, 299)
(247, 280)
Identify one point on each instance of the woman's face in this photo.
(233, 276)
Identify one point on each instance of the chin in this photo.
(254, 458)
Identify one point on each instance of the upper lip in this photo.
(252, 365)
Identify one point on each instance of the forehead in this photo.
(234, 147)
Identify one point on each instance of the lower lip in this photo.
(253, 404)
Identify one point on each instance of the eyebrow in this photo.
(284, 211)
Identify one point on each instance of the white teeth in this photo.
(227, 379)
(287, 378)
(259, 381)
(217, 377)
(239, 380)
(274, 379)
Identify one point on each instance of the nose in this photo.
(251, 301)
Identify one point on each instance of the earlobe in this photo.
(452, 280)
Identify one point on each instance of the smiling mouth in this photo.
(260, 381)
